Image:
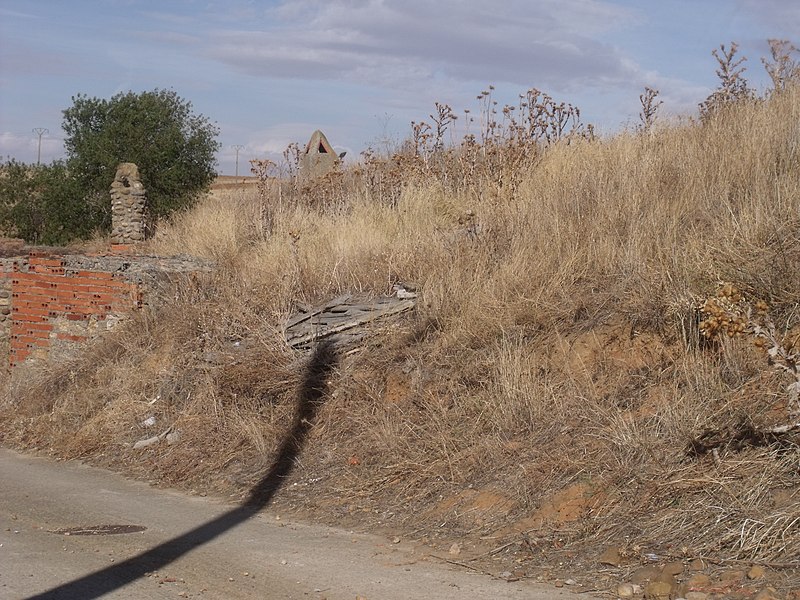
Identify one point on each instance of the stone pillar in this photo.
(128, 207)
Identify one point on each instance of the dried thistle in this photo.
(733, 86)
(647, 116)
(783, 70)
(730, 313)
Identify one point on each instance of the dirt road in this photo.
(180, 546)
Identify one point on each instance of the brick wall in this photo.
(53, 302)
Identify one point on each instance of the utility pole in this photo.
(237, 147)
(40, 131)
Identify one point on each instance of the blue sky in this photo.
(269, 72)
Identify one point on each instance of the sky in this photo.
(270, 72)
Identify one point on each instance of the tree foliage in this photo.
(172, 146)
(67, 200)
(44, 204)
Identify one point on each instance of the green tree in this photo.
(173, 148)
(43, 204)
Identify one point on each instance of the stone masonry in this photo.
(51, 301)
(128, 207)
(54, 301)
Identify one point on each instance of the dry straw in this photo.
(555, 348)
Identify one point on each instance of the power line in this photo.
(40, 131)
(237, 147)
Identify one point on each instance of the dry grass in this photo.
(555, 345)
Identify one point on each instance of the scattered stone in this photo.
(173, 437)
(768, 593)
(645, 574)
(672, 568)
(570, 582)
(626, 590)
(611, 556)
(698, 564)
(508, 576)
(732, 576)
(396, 540)
(455, 549)
(658, 590)
(698, 580)
(696, 596)
(756, 572)
(147, 442)
(558, 583)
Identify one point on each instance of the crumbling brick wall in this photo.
(57, 301)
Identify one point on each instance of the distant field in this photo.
(233, 181)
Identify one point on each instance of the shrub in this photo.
(172, 146)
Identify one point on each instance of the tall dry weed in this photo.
(555, 341)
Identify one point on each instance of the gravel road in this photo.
(179, 546)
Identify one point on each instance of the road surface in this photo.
(191, 547)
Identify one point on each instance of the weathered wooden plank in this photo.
(319, 309)
(326, 324)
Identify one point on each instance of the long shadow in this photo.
(312, 393)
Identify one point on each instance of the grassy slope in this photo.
(549, 381)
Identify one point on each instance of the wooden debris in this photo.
(338, 317)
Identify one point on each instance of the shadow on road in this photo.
(312, 393)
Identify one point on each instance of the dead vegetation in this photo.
(553, 383)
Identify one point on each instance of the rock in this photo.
(696, 596)
(626, 590)
(173, 437)
(732, 575)
(756, 572)
(698, 580)
(570, 582)
(148, 442)
(611, 556)
(767, 593)
(455, 549)
(672, 568)
(657, 590)
(645, 574)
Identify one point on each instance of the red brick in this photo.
(31, 318)
(48, 270)
(29, 310)
(96, 275)
(71, 338)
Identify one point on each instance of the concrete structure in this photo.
(318, 159)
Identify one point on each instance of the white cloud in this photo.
(408, 43)
(783, 15)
